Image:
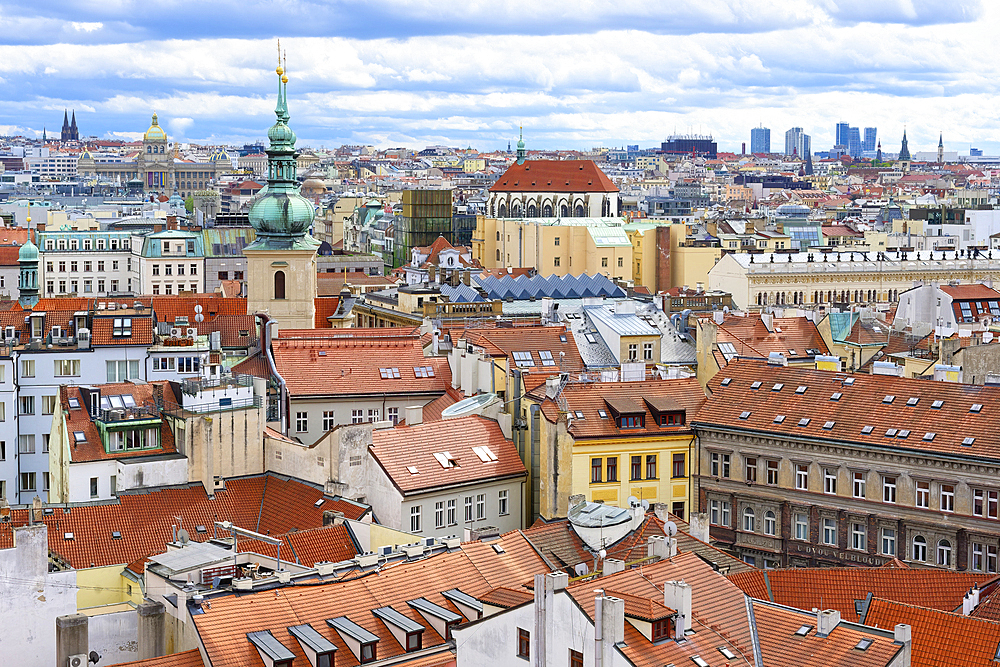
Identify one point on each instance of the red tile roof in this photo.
(753, 339)
(970, 291)
(940, 638)
(325, 307)
(231, 328)
(190, 658)
(503, 341)
(432, 411)
(102, 331)
(266, 503)
(398, 449)
(861, 403)
(554, 176)
(308, 547)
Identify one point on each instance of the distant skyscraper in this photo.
(871, 136)
(843, 131)
(797, 142)
(854, 142)
(760, 140)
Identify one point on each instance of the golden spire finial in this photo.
(279, 69)
(284, 62)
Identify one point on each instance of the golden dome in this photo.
(155, 132)
(279, 70)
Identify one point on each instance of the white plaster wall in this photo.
(343, 410)
(79, 475)
(32, 599)
(427, 502)
(158, 472)
(114, 636)
(727, 275)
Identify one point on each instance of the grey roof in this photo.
(553, 286)
(459, 597)
(595, 354)
(266, 642)
(595, 515)
(624, 324)
(461, 293)
(348, 627)
(427, 607)
(404, 623)
(309, 636)
(194, 555)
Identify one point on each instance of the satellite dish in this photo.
(670, 528)
(199, 317)
(581, 569)
(94, 657)
(183, 536)
(602, 554)
(633, 501)
(645, 504)
(197, 309)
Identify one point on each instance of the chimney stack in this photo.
(609, 628)
(152, 630)
(72, 637)
(546, 586)
(677, 596)
(414, 414)
(902, 636)
(826, 621)
(698, 526)
(36, 509)
(612, 566)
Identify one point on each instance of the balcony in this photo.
(120, 416)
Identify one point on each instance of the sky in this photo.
(577, 75)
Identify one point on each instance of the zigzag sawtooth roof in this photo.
(553, 286)
(864, 401)
(554, 176)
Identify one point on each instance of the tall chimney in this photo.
(546, 586)
(826, 621)
(609, 628)
(71, 637)
(902, 636)
(677, 596)
(698, 526)
(414, 414)
(152, 630)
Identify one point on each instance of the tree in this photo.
(189, 204)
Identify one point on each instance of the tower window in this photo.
(279, 285)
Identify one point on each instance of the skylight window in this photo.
(865, 644)
(745, 415)
(929, 436)
(74, 403)
(423, 371)
(791, 353)
(725, 382)
(779, 418)
(804, 421)
(903, 435)
(755, 385)
(913, 400)
(728, 351)
(579, 414)
(546, 358)
(976, 407)
(890, 433)
(602, 414)
(889, 398)
(835, 396)
(389, 373)
(697, 659)
(590, 338)
(801, 389)
(523, 359)
(562, 338)
(968, 441)
(804, 630)
(867, 430)
(777, 387)
(729, 655)
(828, 425)
(116, 534)
(849, 381)
(446, 459)
(412, 470)
(937, 405)
(79, 436)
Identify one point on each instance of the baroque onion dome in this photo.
(282, 216)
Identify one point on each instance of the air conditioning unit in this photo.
(192, 332)
(385, 550)
(78, 660)
(175, 332)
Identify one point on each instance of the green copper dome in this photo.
(28, 252)
(281, 216)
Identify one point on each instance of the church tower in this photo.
(904, 151)
(521, 153)
(27, 284)
(941, 148)
(281, 262)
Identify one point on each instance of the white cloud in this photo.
(87, 26)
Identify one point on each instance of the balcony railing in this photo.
(113, 415)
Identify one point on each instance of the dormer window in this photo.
(407, 632)
(272, 652)
(631, 421)
(361, 642)
(318, 649)
(672, 419)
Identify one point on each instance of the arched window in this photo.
(547, 211)
(748, 520)
(944, 553)
(501, 213)
(532, 211)
(149, 149)
(498, 254)
(759, 298)
(919, 551)
(279, 285)
(515, 210)
(770, 523)
(564, 211)
(579, 211)
(498, 235)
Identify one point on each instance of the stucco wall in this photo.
(115, 636)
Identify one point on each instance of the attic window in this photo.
(890, 433)
(524, 359)
(865, 644)
(828, 425)
(389, 373)
(801, 389)
(929, 436)
(745, 414)
(777, 387)
(976, 407)
(804, 630)
(412, 469)
(835, 396)
(67, 536)
(200, 530)
(562, 338)
(779, 418)
(578, 414)
(791, 353)
(911, 402)
(849, 381)
(498, 548)
(602, 414)
(546, 358)
(116, 534)
(867, 430)
(889, 398)
(755, 385)
(729, 655)
(446, 459)
(967, 442)
(903, 435)
(74, 403)
(484, 453)
(590, 338)
(697, 659)
(804, 421)
(937, 405)
(79, 436)
(725, 382)
(244, 332)
(423, 371)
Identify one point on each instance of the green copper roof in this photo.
(28, 252)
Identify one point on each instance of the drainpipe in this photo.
(282, 392)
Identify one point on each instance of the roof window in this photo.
(865, 644)
(867, 430)
(590, 338)
(903, 435)
(602, 414)
(423, 371)
(412, 470)
(779, 418)
(546, 358)
(801, 389)
(848, 381)
(524, 359)
(745, 414)
(803, 630)
(967, 442)
(578, 414)
(976, 407)
(116, 534)
(828, 425)
(729, 655)
(725, 382)
(74, 403)
(562, 338)
(929, 436)
(791, 353)
(79, 436)
(484, 453)
(777, 387)
(389, 373)
(446, 459)
(889, 398)
(913, 400)
(890, 433)
(697, 659)
(67, 536)
(804, 421)
(937, 405)
(835, 396)
(756, 385)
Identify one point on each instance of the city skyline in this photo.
(409, 74)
